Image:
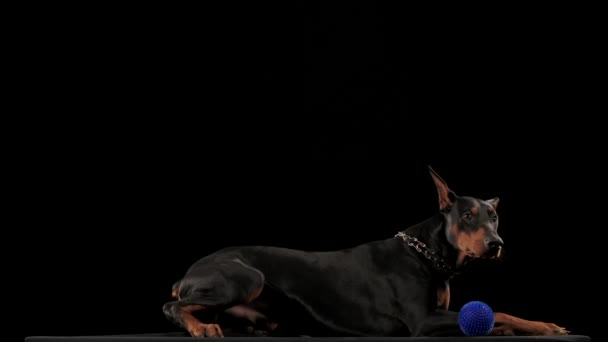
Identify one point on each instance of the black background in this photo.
(154, 138)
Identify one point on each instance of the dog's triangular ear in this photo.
(493, 202)
(446, 196)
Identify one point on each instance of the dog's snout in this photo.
(495, 249)
(494, 245)
(494, 242)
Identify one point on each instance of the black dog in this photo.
(392, 287)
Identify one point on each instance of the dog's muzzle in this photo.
(495, 248)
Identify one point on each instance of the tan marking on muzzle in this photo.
(454, 232)
(474, 242)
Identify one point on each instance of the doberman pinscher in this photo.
(392, 287)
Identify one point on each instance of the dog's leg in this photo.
(445, 323)
(510, 325)
(181, 313)
(213, 289)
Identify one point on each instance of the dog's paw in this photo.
(548, 329)
(529, 328)
(503, 331)
(557, 330)
(206, 330)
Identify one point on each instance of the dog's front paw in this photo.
(503, 331)
(557, 330)
(547, 329)
(206, 330)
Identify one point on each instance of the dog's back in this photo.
(311, 285)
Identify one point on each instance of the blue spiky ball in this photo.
(476, 319)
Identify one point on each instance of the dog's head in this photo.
(471, 223)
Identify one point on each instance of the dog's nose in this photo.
(494, 245)
(494, 242)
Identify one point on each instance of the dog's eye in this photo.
(467, 215)
(494, 218)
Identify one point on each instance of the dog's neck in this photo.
(432, 232)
